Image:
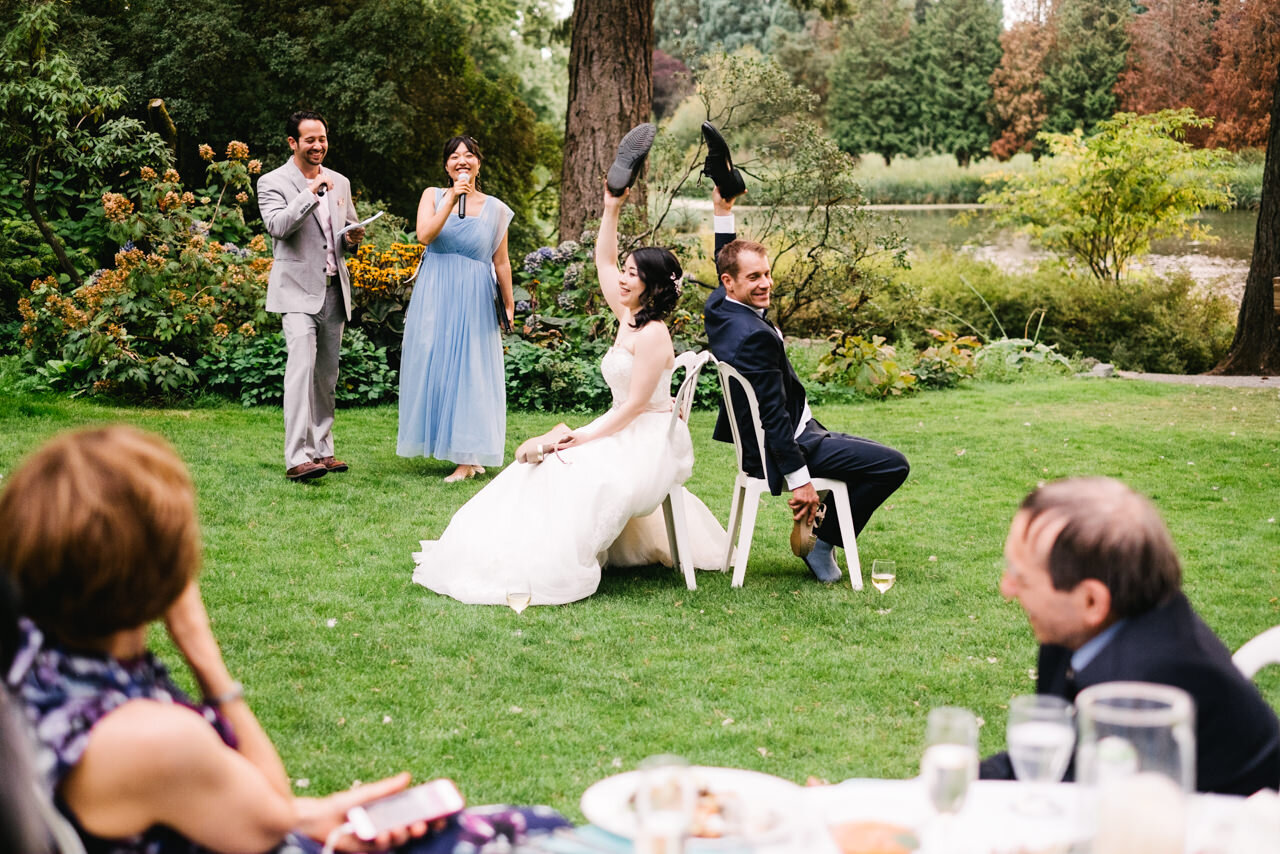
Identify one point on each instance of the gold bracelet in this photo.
(235, 692)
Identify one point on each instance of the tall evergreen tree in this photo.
(1082, 67)
(958, 46)
(873, 104)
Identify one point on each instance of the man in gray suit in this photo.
(304, 206)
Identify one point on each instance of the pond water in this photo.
(936, 226)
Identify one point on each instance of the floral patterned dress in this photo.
(63, 694)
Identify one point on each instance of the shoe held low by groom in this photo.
(798, 447)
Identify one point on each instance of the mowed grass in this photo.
(784, 675)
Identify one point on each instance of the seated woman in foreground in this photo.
(98, 533)
(575, 499)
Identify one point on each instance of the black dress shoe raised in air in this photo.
(627, 163)
(719, 164)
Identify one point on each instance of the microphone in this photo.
(462, 200)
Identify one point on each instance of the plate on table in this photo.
(761, 800)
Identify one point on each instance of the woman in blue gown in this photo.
(452, 387)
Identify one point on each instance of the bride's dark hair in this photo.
(662, 277)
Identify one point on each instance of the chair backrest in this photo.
(692, 363)
(728, 375)
(1259, 652)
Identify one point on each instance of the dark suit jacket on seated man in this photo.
(1094, 568)
(798, 446)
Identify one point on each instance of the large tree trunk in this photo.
(610, 92)
(1256, 348)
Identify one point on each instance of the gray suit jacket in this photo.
(291, 216)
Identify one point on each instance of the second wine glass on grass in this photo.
(883, 574)
(518, 595)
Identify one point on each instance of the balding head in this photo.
(1110, 533)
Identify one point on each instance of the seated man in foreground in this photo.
(1094, 568)
(798, 447)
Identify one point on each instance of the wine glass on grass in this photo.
(518, 595)
(1041, 736)
(883, 574)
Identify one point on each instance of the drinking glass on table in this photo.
(883, 574)
(950, 761)
(1041, 737)
(666, 795)
(1136, 759)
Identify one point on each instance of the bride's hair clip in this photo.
(677, 279)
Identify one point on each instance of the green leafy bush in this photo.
(1009, 359)
(1166, 324)
(949, 360)
(250, 368)
(870, 367)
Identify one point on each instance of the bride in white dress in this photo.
(550, 520)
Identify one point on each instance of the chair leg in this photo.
(844, 513)
(678, 535)
(735, 523)
(747, 522)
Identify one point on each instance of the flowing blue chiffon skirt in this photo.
(452, 386)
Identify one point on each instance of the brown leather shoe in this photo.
(306, 471)
(332, 464)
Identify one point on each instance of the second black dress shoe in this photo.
(627, 163)
(719, 164)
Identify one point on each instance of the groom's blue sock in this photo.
(822, 561)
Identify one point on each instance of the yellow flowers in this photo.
(206, 152)
(171, 175)
(237, 150)
(255, 166)
(384, 271)
(242, 197)
(147, 173)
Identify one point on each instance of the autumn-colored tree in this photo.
(1017, 104)
(672, 83)
(1171, 57)
(1247, 39)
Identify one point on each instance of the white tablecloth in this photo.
(990, 822)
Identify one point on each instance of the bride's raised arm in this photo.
(607, 254)
(652, 357)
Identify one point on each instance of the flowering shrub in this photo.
(189, 274)
(381, 285)
(949, 360)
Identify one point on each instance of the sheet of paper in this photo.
(360, 224)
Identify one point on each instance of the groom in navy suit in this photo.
(740, 333)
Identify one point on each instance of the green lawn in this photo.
(784, 675)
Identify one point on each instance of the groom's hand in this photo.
(803, 502)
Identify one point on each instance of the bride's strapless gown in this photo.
(554, 524)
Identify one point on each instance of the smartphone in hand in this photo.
(427, 802)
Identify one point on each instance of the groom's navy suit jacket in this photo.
(1237, 735)
(739, 336)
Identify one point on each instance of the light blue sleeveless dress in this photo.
(452, 387)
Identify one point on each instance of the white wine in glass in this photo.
(518, 596)
(883, 574)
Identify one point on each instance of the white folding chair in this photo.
(747, 490)
(673, 505)
(1258, 652)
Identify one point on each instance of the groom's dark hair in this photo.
(297, 118)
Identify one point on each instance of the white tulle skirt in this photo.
(553, 524)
